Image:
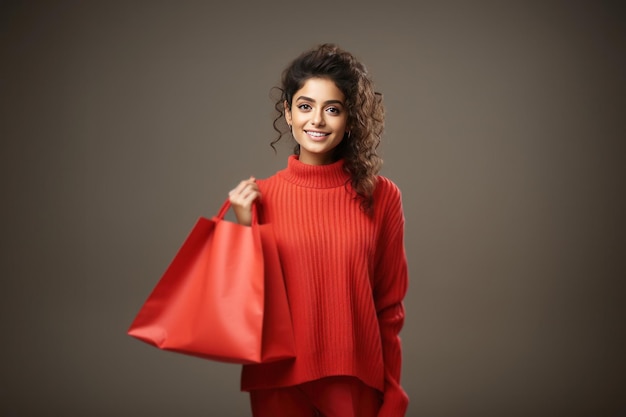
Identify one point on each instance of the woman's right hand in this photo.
(241, 199)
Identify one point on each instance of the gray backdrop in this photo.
(123, 121)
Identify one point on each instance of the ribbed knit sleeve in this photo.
(391, 281)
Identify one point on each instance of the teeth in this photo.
(317, 134)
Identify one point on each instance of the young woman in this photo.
(340, 232)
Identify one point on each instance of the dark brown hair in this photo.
(365, 112)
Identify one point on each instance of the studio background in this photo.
(121, 122)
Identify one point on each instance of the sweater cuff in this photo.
(395, 402)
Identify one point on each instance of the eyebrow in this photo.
(325, 103)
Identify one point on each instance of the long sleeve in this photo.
(389, 291)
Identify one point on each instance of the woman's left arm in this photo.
(389, 291)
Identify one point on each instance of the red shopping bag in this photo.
(222, 297)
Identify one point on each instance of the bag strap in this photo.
(226, 206)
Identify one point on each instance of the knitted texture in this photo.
(346, 276)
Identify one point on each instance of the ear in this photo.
(287, 112)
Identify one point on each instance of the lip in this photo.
(317, 138)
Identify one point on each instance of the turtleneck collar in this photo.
(315, 176)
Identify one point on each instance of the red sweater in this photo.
(346, 277)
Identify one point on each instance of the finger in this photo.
(249, 199)
(241, 194)
(243, 184)
(249, 195)
(237, 190)
(245, 200)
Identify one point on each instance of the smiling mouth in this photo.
(316, 134)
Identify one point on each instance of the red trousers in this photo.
(337, 396)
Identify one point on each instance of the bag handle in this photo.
(226, 206)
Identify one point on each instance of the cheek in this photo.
(342, 124)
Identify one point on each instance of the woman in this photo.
(339, 228)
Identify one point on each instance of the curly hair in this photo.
(365, 112)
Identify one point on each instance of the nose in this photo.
(318, 118)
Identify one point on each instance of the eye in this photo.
(304, 106)
(333, 110)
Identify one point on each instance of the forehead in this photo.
(320, 89)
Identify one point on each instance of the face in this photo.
(318, 117)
